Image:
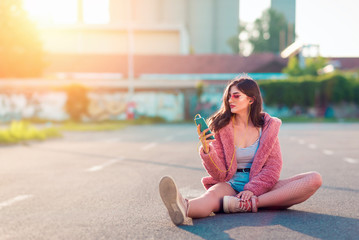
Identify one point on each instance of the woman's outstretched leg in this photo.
(210, 201)
(291, 191)
(179, 207)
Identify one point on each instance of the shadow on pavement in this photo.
(164, 164)
(200, 169)
(311, 224)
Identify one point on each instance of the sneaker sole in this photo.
(168, 193)
(225, 204)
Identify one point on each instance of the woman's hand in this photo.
(203, 137)
(245, 195)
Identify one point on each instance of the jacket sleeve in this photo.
(214, 161)
(269, 175)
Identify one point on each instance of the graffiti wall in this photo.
(208, 103)
(36, 105)
(115, 106)
(102, 106)
(165, 105)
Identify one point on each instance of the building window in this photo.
(67, 11)
(58, 12)
(96, 11)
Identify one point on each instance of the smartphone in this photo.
(200, 120)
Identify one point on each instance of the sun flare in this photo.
(66, 11)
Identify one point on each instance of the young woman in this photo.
(243, 162)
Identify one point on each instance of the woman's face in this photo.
(238, 101)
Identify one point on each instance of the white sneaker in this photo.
(176, 205)
(232, 204)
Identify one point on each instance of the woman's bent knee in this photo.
(214, 199)
(215, 194)
(315, 180)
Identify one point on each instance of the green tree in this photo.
(269, 32)
(21, 53)
(293, 68)
(312, 65)
(233, 42)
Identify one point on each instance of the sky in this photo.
(333, 24)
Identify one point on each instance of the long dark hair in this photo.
(223, 116)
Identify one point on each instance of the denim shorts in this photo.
(238, 181)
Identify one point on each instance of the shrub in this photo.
(77, 101)
(23, 131)
(308, 91)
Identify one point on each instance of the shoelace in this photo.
(244, 206)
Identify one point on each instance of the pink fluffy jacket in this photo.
(266, 166)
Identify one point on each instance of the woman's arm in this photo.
(214, 160)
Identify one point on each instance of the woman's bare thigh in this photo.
(222, 189)
(283, 182)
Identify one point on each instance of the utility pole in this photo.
(80, 16)
(131, 88)
(130, 74)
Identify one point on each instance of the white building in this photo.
(159, 27)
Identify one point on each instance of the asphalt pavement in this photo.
(104, 185)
